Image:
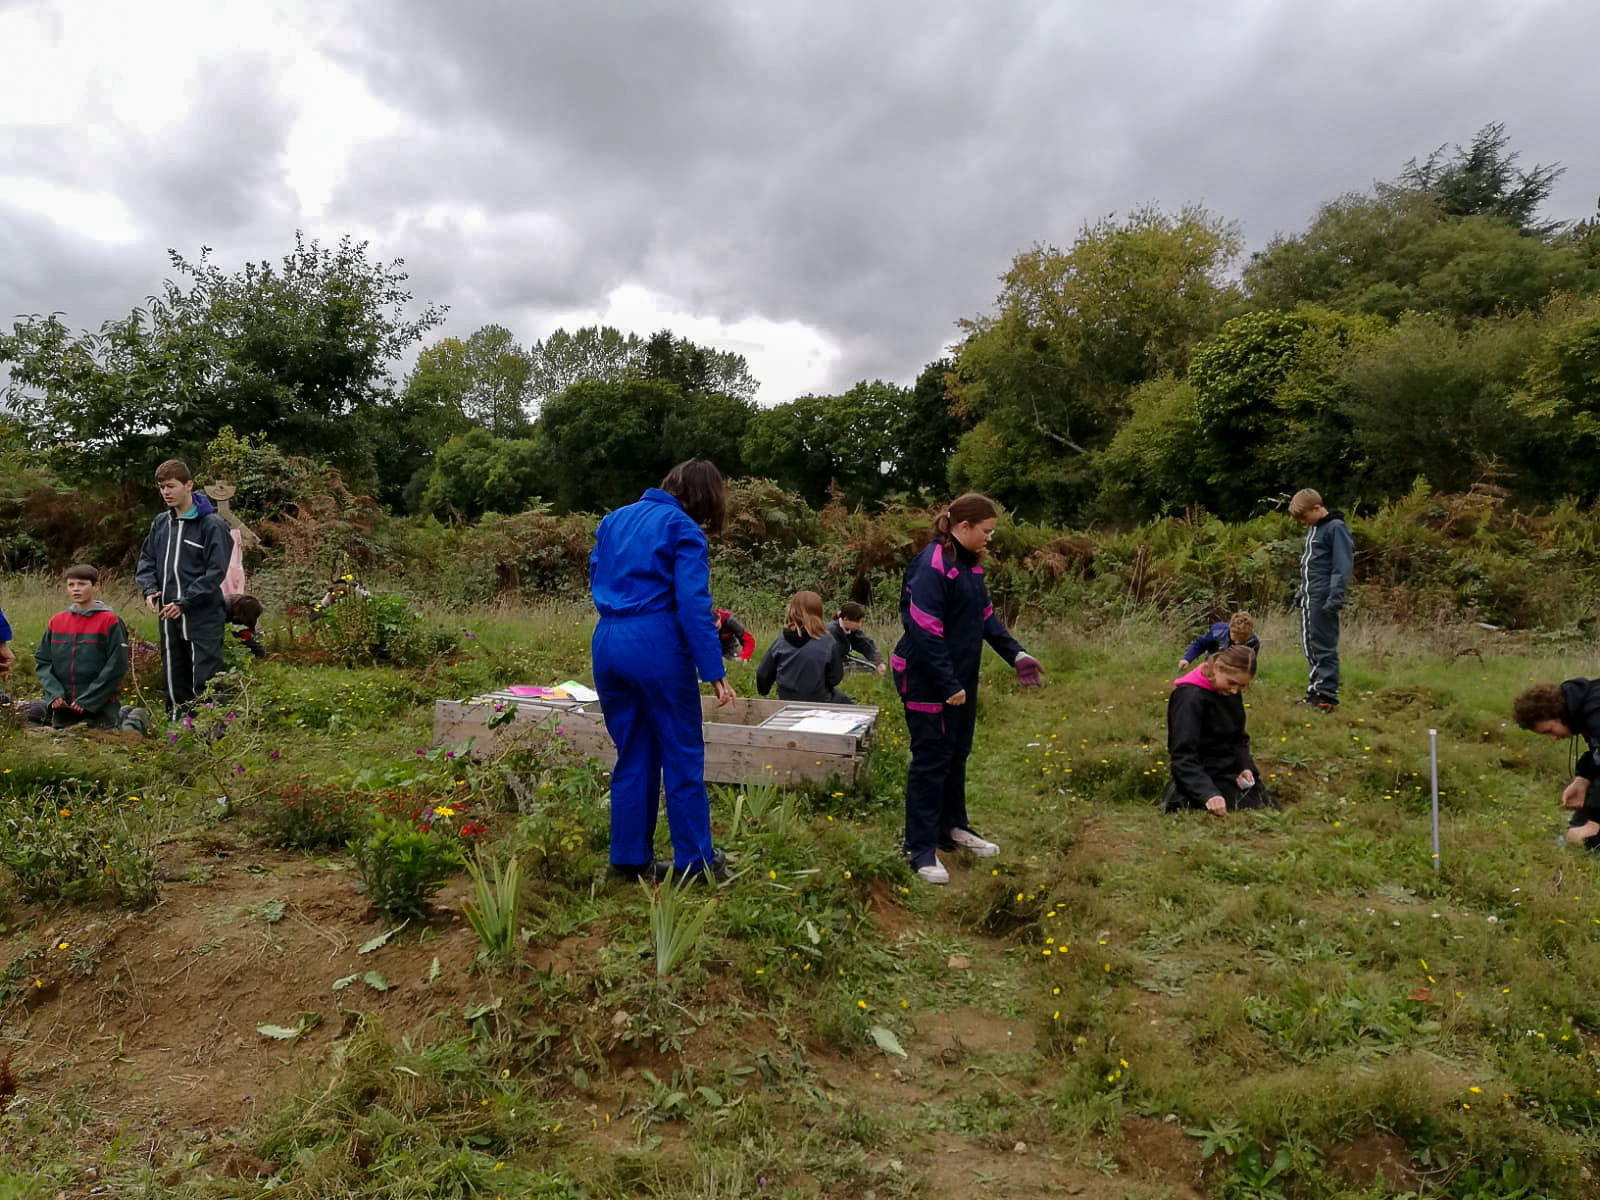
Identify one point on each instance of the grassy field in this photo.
(1295, 1004)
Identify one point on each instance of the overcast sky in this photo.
(822, 185)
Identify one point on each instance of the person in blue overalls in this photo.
(650, 575)
(945, 609)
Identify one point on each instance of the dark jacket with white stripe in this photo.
(184, 560)
(1326, 563)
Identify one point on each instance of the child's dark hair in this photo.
(244, 610)
(698, 486)
(971, 508)
(83, 571)
(1542, 702)
(174, 468)
(851, 611)
(1235, 660)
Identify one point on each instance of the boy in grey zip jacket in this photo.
(1325, 566)
(181, 568)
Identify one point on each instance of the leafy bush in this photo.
(400, 866)
(310, 818)
(77, 848)
(364, 630)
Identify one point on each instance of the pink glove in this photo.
(1029, 673)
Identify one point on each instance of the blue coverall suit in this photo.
(651, 579)
(947, 616)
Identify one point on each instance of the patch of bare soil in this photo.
(1161, 1150)
(892, 921)
(965, 1033)
(154, 1014)
(1376, 1153)
(963, 1168)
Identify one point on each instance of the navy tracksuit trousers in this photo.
(936, 784)
(1319, 638)
(191, 653)
(651, 699)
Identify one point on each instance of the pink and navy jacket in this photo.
(1206, 740)
(947, 616)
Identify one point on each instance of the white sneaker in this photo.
(934, 872)
(971, 841)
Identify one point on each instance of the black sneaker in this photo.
(714, 872)
(654, 872)
(1320, 703)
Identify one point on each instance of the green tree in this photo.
(696, 369)
(1399, 253)
(606, 442)
(932, 428)
(1266, 391)
(594, 352)
(1559, 393)
(792, 445)
(1430, 399)
(299, 350)
(1482, 180)
(1158, 461)
(855, 440)
(498, 382)
(476, 473)
(1074, 331)
(426, 414)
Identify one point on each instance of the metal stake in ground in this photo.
(1433, 761)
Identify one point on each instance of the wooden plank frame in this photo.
(738, 749)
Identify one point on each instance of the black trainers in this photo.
(654, 872)
(713, 872)
(1320, 703)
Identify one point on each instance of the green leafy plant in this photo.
(76, 848)
(675, 926)
(493, 914)
(400, 866)
(359, 630)
(310, 818)
(1254, 1178)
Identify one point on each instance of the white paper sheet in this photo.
(828, 724)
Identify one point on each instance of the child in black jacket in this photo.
(860, 652)
(804, 661)
(1570, 710)
(1207, 746)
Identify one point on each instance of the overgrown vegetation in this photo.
(1288, 988)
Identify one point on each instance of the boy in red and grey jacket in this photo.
(83, 657)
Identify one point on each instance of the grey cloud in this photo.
(869, 169)
(213, 176)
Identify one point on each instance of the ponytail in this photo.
(972, 507)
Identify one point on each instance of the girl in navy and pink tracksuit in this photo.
(947, 616)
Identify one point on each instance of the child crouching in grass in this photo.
(805, 661)
(1207, 745)
(1237, 630)
(1571, 709)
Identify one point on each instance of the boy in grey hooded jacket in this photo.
(1325, 566)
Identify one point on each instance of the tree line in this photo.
(1436, 326)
